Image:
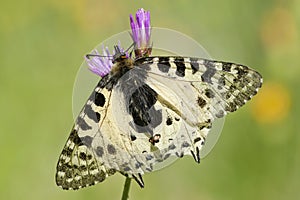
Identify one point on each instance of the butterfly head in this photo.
(103, 64)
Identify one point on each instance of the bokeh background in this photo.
(42, 44)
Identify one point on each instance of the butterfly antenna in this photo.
(118, 52)
(132, 45)
(95, 55)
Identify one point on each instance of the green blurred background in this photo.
(42, 44)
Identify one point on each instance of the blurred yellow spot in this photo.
(272, 104)
(278, 28)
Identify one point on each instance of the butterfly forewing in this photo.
(221, 87)
(78, 165)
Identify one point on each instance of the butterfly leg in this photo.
(139, 180)
(137, 177)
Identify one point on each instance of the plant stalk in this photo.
(126, 188)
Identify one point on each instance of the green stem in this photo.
(126, 188)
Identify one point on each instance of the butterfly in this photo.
(148, 109)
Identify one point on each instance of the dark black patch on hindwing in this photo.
(132, 137)
(82, 156)
(111, 149)
(99, 151)
(172, 147)
(169, 121)
(87, 140)
(141, 107)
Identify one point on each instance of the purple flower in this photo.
(100, 64)
(141, 32)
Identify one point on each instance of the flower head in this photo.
(102, 64)
(141, 32)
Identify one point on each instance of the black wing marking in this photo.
(196, 91)
(229, 85)
(79, 165)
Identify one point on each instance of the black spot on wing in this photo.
(194, 65)
(169, 121)
(67, 152)
(132, 137)
(209, 93)
(149, 157)
(75, 138)
(95, 116)
(99, 99)
(98, 116)
(180, 70)
(230, 107)
(220, 114)
(82, 156)
(111, 149)
(166, 156)
(209, 72)
(197, 140)
(99, 151)
(87, 140)
(163, 64)
(126, 169)
(138, 164)
(82, 124)
(179, 155)
(222, 81)
(185, 144)
(241, 71)
(226, 67)
(172, 147)
(201, 102)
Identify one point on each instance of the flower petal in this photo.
(141, 32)
(100, 65)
